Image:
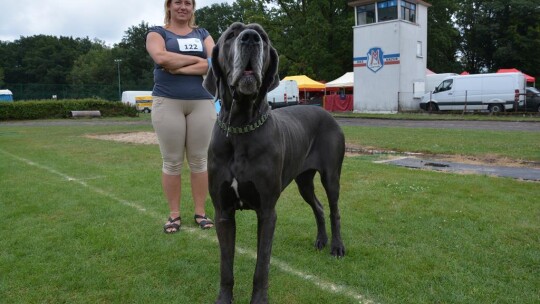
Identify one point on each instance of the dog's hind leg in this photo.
(307, 191)
(330, 181)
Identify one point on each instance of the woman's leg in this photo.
(200, 123)
(199, 190)
(172, 189)
(169, 124)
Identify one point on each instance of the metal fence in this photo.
(34, 91)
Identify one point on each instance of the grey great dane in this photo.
(255, 152)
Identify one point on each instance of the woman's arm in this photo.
(198, 68)
(209, 45)
(202, 66)
(155, 45)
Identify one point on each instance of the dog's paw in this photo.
(338, 250)
(320, 243)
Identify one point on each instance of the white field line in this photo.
(283, 266)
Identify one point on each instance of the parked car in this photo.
(532, 100)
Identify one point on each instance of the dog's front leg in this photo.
(265, 234)
(226, 233)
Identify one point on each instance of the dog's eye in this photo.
(230, 35)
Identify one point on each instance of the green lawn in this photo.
(82, 223)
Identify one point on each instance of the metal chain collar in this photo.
(244, 129)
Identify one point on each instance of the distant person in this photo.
(183, 113)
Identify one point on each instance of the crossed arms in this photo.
(175, 63)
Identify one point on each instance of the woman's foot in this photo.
(172, 225)
(203, 221)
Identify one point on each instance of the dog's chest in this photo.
(246, 174)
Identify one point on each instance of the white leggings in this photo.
(183, 126)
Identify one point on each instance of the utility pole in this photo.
(119, 87)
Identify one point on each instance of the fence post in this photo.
(428, 107)
(398, 104)
(465, 107)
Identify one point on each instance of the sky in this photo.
(106, 20)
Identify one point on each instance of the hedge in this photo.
(46, 109)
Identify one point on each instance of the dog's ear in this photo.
(271, 77)
(214, 73)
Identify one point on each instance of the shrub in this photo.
(44, 109)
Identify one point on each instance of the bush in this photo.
(44, 109)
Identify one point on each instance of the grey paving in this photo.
(523, 173)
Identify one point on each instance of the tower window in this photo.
(365, 14)
(408, 11)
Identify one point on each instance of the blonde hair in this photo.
(167, 20)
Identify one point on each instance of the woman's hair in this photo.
(191, 22)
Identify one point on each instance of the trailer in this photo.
(144, 103)
(128, 97)
(6, 96)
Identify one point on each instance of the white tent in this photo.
(346, 80)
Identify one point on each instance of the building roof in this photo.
(354, 3)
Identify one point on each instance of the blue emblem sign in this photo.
(375, 59)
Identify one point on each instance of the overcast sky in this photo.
(106, 20)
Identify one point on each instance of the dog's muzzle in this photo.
(248, 62)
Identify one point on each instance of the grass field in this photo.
(81, 222)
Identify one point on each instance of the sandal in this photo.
(171, 226)
(205, 223)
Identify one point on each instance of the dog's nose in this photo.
(250, 37)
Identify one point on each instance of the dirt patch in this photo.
(149, 138)
(144, 138)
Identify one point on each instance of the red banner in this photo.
(338, 103)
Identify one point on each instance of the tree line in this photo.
(313, 37)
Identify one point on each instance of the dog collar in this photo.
(246, 128)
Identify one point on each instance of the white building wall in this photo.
(392, 87)
(376, 91)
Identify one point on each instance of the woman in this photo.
(183, 112)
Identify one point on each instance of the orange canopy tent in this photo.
(306, 84)
(513, 70)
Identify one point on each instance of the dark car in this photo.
(532, 100)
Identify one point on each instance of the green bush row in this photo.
(46, 109)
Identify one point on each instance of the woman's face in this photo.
(181, 10)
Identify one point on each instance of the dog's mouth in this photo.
(248, 71)
(247, 74)
(247, 80)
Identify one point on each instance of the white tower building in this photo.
(390, 48)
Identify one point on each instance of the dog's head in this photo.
(243, 62)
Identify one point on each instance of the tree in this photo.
(312, 37)
(43, 59)
(137, 65)
(518, 42)
(500, 33)
(94, 75)
(217, 17)
(443, 38)
(1, 77)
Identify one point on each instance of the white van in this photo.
(129, 97)
(286, 94)
(495, 92)
(433, 80)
